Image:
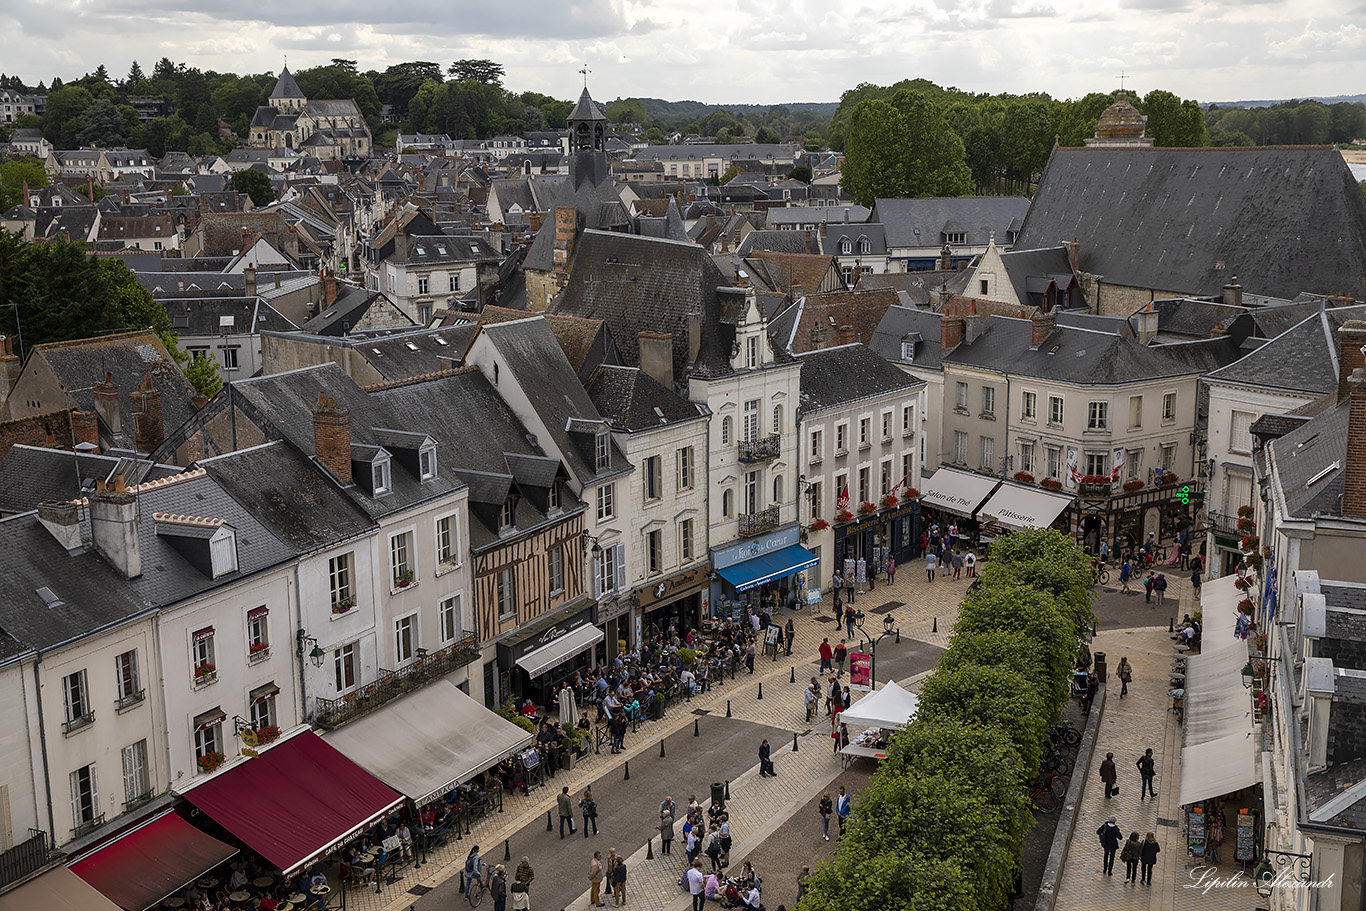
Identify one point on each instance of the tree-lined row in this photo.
(942, 823)
(1305, 122)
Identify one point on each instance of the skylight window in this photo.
(1323, 473)
(441, 341)
(49, 597)
(410, 346)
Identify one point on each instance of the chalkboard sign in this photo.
(1195, 832)
(1246, 849)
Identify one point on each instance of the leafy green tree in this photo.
(66, 108)
(1078, 117)
(812, 141)
(1173, 123)
(859, 879)
(626, 110)
(135, 78)
(996, 697)
(1220, 137)
(342, 63)
(255, 184)
(102, 125)
(903, 147)
(767, 136)
(400, 82)
(801, 172)
(485, 71)
(202, 372)
(14, 173)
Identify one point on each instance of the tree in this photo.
(903, 147)
(626, 110)
(342, 63)
(14, 173)
(801, 172)
(1173, 123)
(102, 125)
(485, 71)
(100, 75)
(400, 82)
(254, 184)
(202, 372)
(65, 108)
(135, 76)
(767, 136)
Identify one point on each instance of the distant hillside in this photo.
(1326, 99)
(659, 109)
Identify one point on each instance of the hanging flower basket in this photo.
(1246, 606)
(910, 493)
(1131, 486)
(844, 515)
(1024, 477)
(1249, 543)
(1253, 561)
(1242, 584)
(210, 761)
(1245, 512)
(820, 525)
(1246, 526)
(1051, 484)
(867, 509)
(890, 501)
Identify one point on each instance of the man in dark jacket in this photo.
(498, 888)
(565, 805)
(765, 763)
(1110, 838)
(1108, 775)
(1147, 772)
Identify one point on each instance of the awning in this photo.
(540, 660)
(56, 890)
(890, 707)
(298, 801)
(766, 567)
(1219, 755)
(958, 492)
(425, 743)
(143, 866)
(1018, 507)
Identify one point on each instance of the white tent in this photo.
(890, 707)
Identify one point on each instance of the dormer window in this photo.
(379, 476)
(426, 462)
(864, 246)
(846, 246)
(603, 448)
(223, 551)
(752, 352)
(507, 513)
(908, 351)
(552, 496)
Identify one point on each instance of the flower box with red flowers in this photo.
(266, 733)
(1169, 478)
(259, 649)
(1245, 512)
(844, 515)
(820, 525)
(1253, 561)
(1249, 543)
(1246, 605)
(1242, 584)
(867, 509)
(1024, 477)
(910, 493)
(210, 761)
(890, 501)
(1246, 526)
(1051, 484)
(1131, 486)
(204, 671)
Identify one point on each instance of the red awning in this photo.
(298, 801)
(139, 869)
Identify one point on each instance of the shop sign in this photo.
(610, 610)
(877, 519)
(722, 557)
(672, 587)
(549, 635)
(860, 671)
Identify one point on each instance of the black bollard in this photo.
(548, 826)
(1171, 625)
(661, 748)
(793, 678)
(727, 708)
(650, 848)
(761, 689)
(695, 731)
(628, 771)
(727, 789)
(507, 851)
(898, 635)
(794, 741)
(936, 625)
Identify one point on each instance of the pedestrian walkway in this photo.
(1129, 726)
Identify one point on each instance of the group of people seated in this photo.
(1188, 632)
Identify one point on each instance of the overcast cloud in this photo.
(729, 51)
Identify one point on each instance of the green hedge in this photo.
(942, 823)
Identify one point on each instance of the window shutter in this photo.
(597, 574)
(75, 798)
(619, 559)
(94, 792)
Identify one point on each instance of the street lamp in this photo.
(1266, 877)
(316, 654)
(585, 537)
(888, 629)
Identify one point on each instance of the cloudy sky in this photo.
(759, 51)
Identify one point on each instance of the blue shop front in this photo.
(766, 570)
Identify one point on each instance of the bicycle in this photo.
(1041, 796)
(478, 886)
(1103, 574)
(1064, 733)
(1057, 760)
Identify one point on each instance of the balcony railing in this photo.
(1222, 524)
(25, 858)
(756, 523)
(762, 449)
(75, 724)
(392, 684)
(88, 826)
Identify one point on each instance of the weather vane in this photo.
(585, 72)
(1121, 80)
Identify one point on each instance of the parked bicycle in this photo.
(1057, 760)
(1043, 795)
(1065, 734)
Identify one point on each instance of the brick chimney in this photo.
(817, 335)
(1073, 253)
(1354, 478)
(148, 431)
(945, 258)
(1145, 324)
(1351, 337)
(329, 287)
(1218, 330)
(846, 334)
(1233, 293)
(114, 526)
(657, 357)
(106, 395)
(1041, 327)
(332, 437)
(566, 224)
(249, 276)
(10, 366)
(85, 427)
(950, 333)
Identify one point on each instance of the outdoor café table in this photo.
(263, 882)
(298, 898)
(240, 896)
(321, 890)
(208, 882)
(285, 906)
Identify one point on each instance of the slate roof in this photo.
(828, 215)
(576, 336)
(286, 87)
(197, 315)
(1303, 359)
(412, 354)
(916, 286)
(424, 249)
(832, 377)
(922, 222)
(1188, 220)
(862, 311)
(776, 241)
(633, 401)
(351, 305)
(922, 325)
(288, 494)
(30, 475)
(1310, 452)
(1322, 786)
(1047, 263)
(586, 109)
(836, 232)
(599, 206)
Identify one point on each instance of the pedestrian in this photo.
(473, 869)
(1125, 571)
(1146, 772)
(724, 832)
(1216, 837)
(765, 762)
(565, 803)
(1160, 586)
(834, 703)
(953, 532)
(836, 583)
(1104, 551)
(1108, 775)
(1148, 581)
(619, 883)
(498, 888)
(1133, 850)
(841, 652)
(713, 849)
(809, 698)
(970, 561)
(826, 807)
(827, 653)
(1111, 837)
(843, 806)
(930, 561)
(692, 841)
(1195, 581)
(666, 832)
(791, 634)
(595, 880)
(1125, 671)
(1148, 857)
(802, 877)
(850, 583)
(849, 618)
(891, 570)
(525, 874)
(697, 885)
(871, 573)
(848, 698)
(957, 564)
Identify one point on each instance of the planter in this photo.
(344, 605)
(820, 525)
(1131, 486)
(890, 501)
(1246, 526)
(1245, 512)
(844, 515)
(1246, 606)
(911, 494)
(867, 509)
(1169, 479)
(1051, 484)
(210, 761)
(567, 760)
(1024, 477)
(1249, 543)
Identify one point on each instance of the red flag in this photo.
(842, 503)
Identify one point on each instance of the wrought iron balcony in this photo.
(1222, 524)
(26, 858)
(391, 684)
(763, 449)
(756, 523)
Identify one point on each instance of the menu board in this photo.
(1246, 848)
(1195, 832)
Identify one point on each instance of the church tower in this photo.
(287, 97)
(1121, 126)
(588, 143)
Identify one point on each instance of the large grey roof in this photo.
(633, 401)
(586, 108)
(847, 373)
(1315, 451)
(923, 326)
(920, 222)
(286, 87)
(30, 475)
(1302, 359)
(1047, 263)
(1188, 220)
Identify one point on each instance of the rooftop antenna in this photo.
(585, 71)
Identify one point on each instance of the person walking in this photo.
(697, 885)
(595, 880)
(850, 583)
(1195, 581)
(836, 583)
(841, 652)
(589, 808)
(692, 842)
(765, 762)
(826, 807)
(1125, 672)
(619, 882)
(749, 656)
(666, 832)
(890, 567)
(1148, 581)
(498, 888)
(791, 634)
(802, 877)
(1133, 850)
(843, 806)
(525, 874)
(835, 700)
(957, 565)
(1148, 852)
(1160, 586)
(849, 618)
(970, 561)
(930, 562)
(565, 804)
(1109, 775)
(1125, 571)
(1111, 837)
(827, 654)
(1147, 772)
(809, 698)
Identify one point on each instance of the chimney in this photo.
(1217, 330)
(1041, 327)
(533, 220)
(846, 334)
(148, 431)
(817, 335)
(90, 189)
(329, 287)
(657, 357)
(10, 366)
(249, 275)
(400, 246)
(1354, 478)
(1233, 293)
(950, 333)
(1073, 254)
(1146, 324)
(85, 427)
(1351, 337)
(566, 224)
(945, 258)
(114, 526)
(63, 521)
(106, 395)
(332, 437)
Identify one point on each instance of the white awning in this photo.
(890, 707)
(958, 492)
(428, 741)
(1219, 754)
(547, 656)
(1019, 507)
